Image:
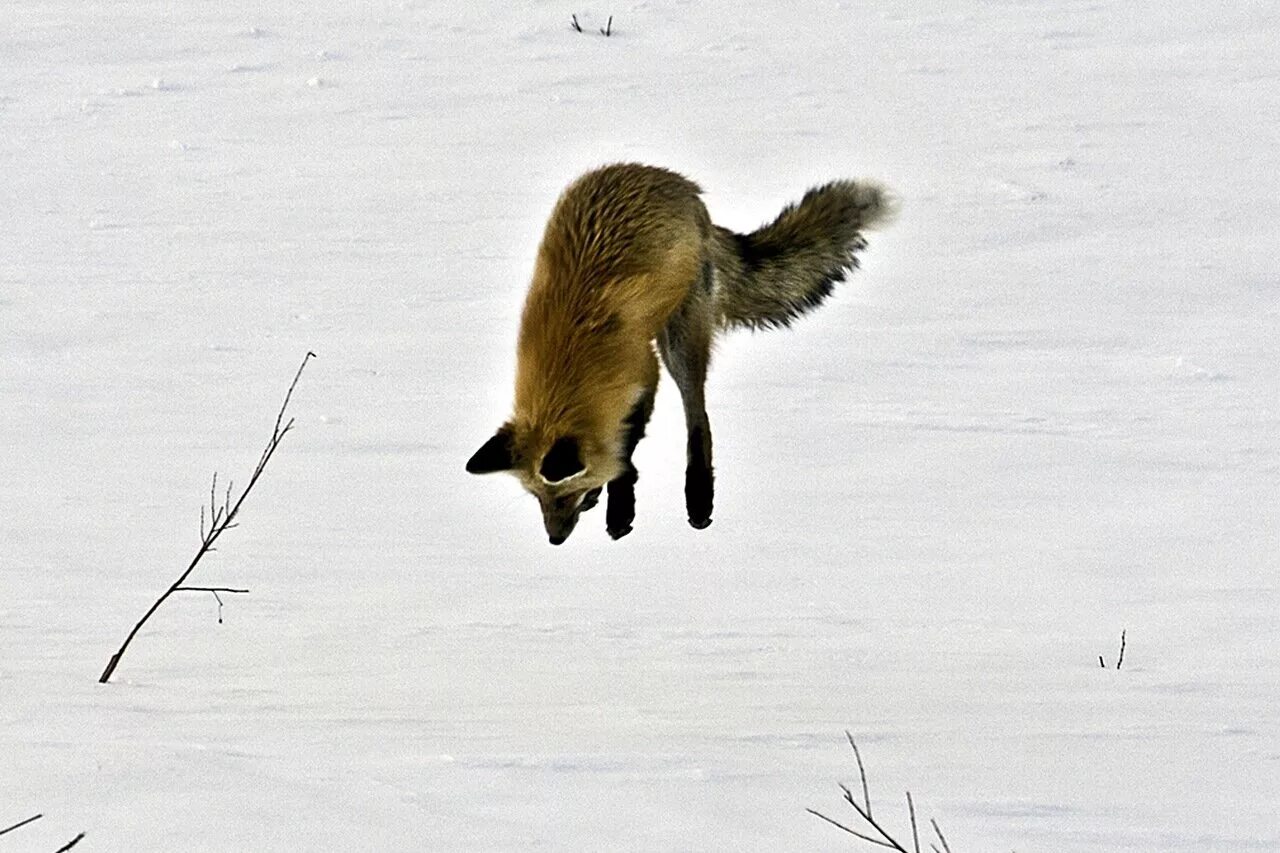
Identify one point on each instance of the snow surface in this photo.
(1046, 410)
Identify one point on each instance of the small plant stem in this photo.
(21, 823)
(221, 519)
(72, 843)
(862, 773)
(941, 837)
(864, 811)
(915, 833)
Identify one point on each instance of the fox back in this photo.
(620, 252)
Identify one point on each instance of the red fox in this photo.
(630, 257)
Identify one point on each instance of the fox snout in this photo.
(559, 526)
(560, 515)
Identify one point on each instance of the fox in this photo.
(631, 270)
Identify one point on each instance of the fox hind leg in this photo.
(685, 344)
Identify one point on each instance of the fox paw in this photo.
(699, 494)
(616, 533)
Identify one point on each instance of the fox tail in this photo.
(786, 268)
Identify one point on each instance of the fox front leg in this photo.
(621, 509)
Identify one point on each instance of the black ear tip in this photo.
(496, 454)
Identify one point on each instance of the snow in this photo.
(1045, 411)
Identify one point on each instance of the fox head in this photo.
(565, 473)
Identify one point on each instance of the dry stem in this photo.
(864, 811)
(21, 823)
(221, 519)
(72, 843)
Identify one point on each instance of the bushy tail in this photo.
(778, 272)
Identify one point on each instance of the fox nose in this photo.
(557, 540)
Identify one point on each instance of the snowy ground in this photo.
(1047, 410)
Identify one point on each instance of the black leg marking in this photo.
(621, 509)
(699, 479)
(685, 345)
(590, 499)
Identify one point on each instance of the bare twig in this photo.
(21, 823)
(864, 811)
(607, 29)
(220, 520)
(1120, 660)
(213, 589)
(941, 837)
(862, 772)
(915, 835)
(72, 843)
(576, 26)
(837, 823)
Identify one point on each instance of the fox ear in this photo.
(562, 461)
(496, 454)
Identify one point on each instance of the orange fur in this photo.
(621, 250)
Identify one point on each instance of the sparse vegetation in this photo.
(21, 824)
(72, 843)
(1120, 659)
(221, 519)
(882, 838)
(606, 30)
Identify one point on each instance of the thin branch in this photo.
(607, 29)
(915, 835)
(840, 825)
(21, 823)
(941, 837)
(213, 589)
(220, 521)
(893, 843)
(576, 26)
(1120, 660)
(72, 843)
(864, 811)
(288, 394)
(866, 796)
